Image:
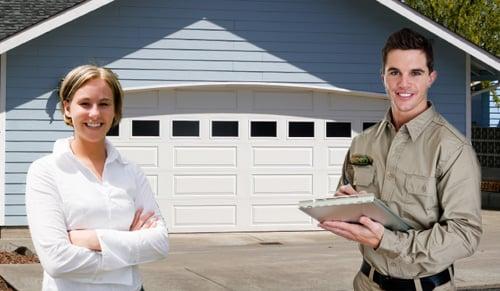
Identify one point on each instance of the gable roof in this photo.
(444, 33)
(24, 20)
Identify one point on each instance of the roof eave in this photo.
(442, 32)
(51, 23)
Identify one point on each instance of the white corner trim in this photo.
(468, 99)
(50, 24)
(3, 91)
(442, 32)
(216, 85)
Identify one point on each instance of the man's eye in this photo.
(393, 73)
(417, 73)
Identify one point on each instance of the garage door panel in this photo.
(282, 156)
(336, 156)
(136, 100)
(204, 215)
(191, 99)
(333, 181)
(141, 155)
(205, 157)
(283, 184)
(205, 185)
(356, 104)
(264, 100)
(278, 214)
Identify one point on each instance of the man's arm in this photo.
(457, 233)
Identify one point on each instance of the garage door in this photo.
(239, 159)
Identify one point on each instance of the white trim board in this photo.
(51, 23)
(298, 87)
(3, 92)
(442, 32)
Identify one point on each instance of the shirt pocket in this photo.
(364, 177)
(421, 192)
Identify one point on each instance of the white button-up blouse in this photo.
(62, 195)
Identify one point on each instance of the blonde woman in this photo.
(92, 215)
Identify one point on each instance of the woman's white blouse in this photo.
(62, 195)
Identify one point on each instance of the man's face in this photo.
(407, 80)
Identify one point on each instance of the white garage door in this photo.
(240, 159)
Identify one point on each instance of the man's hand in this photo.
(347, 190)
(143, 221)
(368, 232)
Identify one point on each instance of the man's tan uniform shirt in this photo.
(428, 173)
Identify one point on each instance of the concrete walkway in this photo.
(274, 261)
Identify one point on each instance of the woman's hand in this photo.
(86, 238)
(143, 221)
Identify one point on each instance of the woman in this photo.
(92, 215)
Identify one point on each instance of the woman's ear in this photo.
(66, 108)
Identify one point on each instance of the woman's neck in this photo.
(93, 155)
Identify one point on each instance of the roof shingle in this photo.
(17, 15)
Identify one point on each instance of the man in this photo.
(423, 169)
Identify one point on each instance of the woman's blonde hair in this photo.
(77, 77)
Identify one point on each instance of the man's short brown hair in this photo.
(79, 76)
(407, 39)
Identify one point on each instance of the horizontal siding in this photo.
(148, 43)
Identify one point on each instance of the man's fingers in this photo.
(150, 223)
(345, 190)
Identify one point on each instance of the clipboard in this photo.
(350, 208)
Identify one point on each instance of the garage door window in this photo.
(225, 128)
(301, 129)
(338, 129)
(368, 124)
(114, 131)
(263, 129)
(186, 128)
(145, 128)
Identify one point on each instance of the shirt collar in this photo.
(417, 125)
(62, 148)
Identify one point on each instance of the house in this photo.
(236, 110)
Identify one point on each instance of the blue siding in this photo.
(157, 42)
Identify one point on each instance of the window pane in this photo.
(263, 128)
(185, 128)
(368, 124)
(338, 129)
(114, 131)
(145, 128)
(225, 128)
(301, 129)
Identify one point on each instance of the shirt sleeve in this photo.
(457, 233)
(125, 248)
(59, 258)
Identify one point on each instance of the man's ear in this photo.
(432, 77)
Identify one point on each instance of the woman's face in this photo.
(91, 110)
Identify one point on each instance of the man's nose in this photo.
(404, 81)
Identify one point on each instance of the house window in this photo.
(185, 128)
(368, 124)
(263, 129)
(145, 128)
(114, 131)
(225, 128)
(301, 129)
(338, 129)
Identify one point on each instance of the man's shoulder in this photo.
(447, 131)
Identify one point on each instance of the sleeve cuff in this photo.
(389, 244)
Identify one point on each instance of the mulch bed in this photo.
(15, 258)
(19, 256)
